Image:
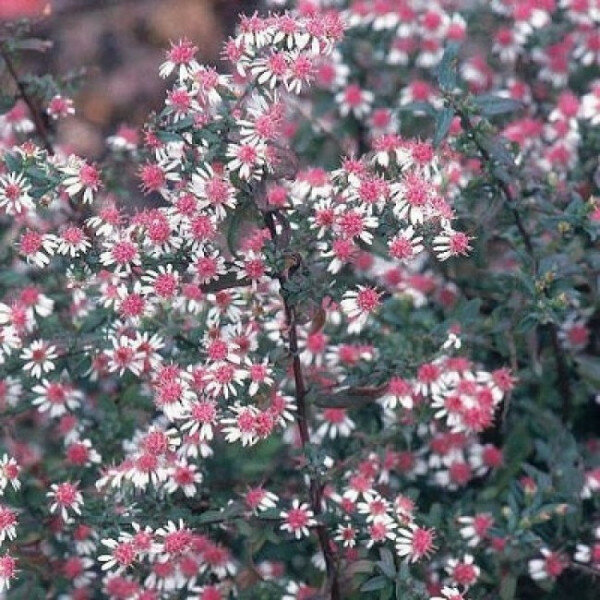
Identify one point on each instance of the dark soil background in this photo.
(120, 44)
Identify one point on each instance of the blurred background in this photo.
(119, 45)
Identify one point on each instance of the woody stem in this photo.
(315, 486)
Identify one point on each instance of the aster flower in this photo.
(14, 194)
(181, 57)
(60, 107)
(8, 571)
(298, 519)
(259, 374)
(39, 358)
(123, 554)
(450, 244)
(247, 159)
(550, 566)
(37, 248)
(80, 176)
(241, 425)
(352, 223)
(183, 476)
(9, 473)
(414, 542)
(215, 190)
(72, 241)
(354, 100)
(200, 416)
(224, 379)
(124, 355)
(56, 397)
(463, 572)
(346, 534)
(334, 422)
(475, 529)
(122, 252)
(8, 523)
(258, 499)
(450, 593)
(405, 245)
(65, 498)
(358, 305)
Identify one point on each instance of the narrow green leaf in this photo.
(374, 584)
(490, 105)
(443, 121)
(387, 564)
(446, 71)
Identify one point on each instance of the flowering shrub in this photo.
(345, 346)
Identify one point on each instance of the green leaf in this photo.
(362, 566)
(527, 323)
(589, 368)
(39, 174)
(374, 584)
(497, 150)
(446, 71)
(9, 278)
(508, 587)
(387, 564)
(13, 162)
(182, 124)
(94, 320)
(443, 121)
(490, 105)
(169, 136)
(467, 312)
(6, 103)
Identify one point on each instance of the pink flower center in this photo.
(66, 494)
(246, 421)
(202, 228)
(218, 350)
(125, 553)
(247, 154)
(464, 574)
(165, 285)
(334, 415)
(367, 299)
(254, 268)
(124, 252)
(156, 442)
(90, 177)
(132, 305)
(31, 242)
(153, 178)
(401, 248)
(297, 518)
(422, 542)
(182, 53)
(204, 412)
(353, 96)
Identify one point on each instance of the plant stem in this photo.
(315, 486)
(40, 126)
(562, 369)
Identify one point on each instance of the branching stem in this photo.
(40, 126)
(562, 369)
(315, 486)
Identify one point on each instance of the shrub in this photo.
(346, 345)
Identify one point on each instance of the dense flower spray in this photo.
(277, 377)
